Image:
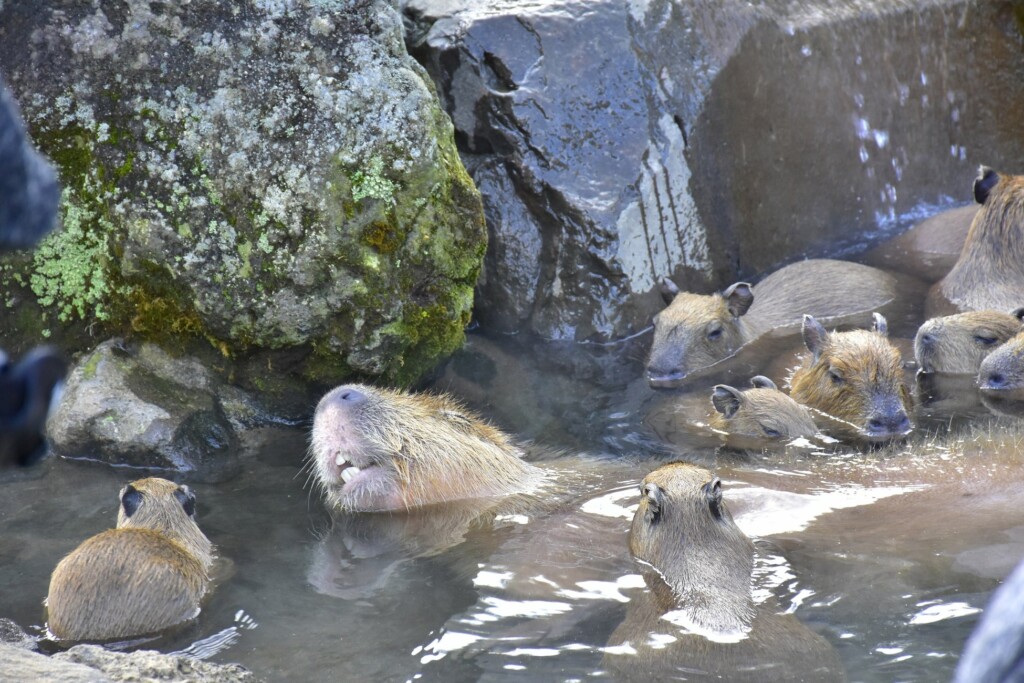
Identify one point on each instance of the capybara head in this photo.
(762, 412)
(1002, 371)
(956, 344)
(683, 529)
(161, 505)
(857, 378)
(377, 449)
(695, 330)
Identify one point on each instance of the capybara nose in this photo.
(351, 395)
(995, 380)
(888, 425)
(657, 377)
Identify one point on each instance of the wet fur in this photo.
(428, 448)
(956, 348)
(699, 563)
(869, 365)
(762, 408)
(780, 300)
(990, 271)
(146, 575)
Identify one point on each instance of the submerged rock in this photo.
(615, 143)
(267, 176)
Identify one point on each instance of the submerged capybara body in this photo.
(146, 575)
(376, 449)
(856, 379)
(989, 274)
(696, 331)
(928, 250)
(957, 344)
(699, 618)
(761, 412)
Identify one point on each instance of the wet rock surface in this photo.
(259, 175)
(137, 405)
(614, 143)
(92, 664)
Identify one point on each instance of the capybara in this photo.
(1002, 371)
(699, 618)
(378, 449)
(697, 330)
(762, 412)
(989, 274)
(856, 379)
(956, 344)
(928, 250)
(144, 576)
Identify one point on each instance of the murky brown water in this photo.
(888, 554)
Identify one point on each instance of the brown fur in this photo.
(760, 412)
(839, 292)
(698, 565)
(1002, 371)
(956, 344)
(144, 576)
(411, 450)
(989, 275)
(855, 377)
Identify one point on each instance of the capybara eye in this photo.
(771, 433)
(985, 341)
(835, 377)
(714, 333)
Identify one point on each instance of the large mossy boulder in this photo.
(276, 178)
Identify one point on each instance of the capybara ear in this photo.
(1018, 313)
(815, 336)
(187, 499)
(762, 382)
(879, 324)
(131, 499)
(713, 494)
(726, 399)
(654, 496)
(738, 297)
(668, 289)
(983, 184)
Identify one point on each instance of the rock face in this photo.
(127, 405)
(265, 175)
(618, 142)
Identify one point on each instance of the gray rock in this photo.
(138, 405)
(147, 665)
(19, 664)
(271, 177)
(709, 141)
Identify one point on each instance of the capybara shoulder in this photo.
(855, 378)
(956, 344)
(696, 331)
(761, 412)
(989, 274)
(378, 449)
(146, 575)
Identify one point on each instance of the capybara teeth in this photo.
(349, 472)
(340, 460)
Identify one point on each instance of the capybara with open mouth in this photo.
(378, 449)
